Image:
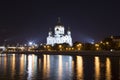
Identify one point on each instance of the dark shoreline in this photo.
(81, 53)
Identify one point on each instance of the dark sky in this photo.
(31, 20)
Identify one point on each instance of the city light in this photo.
(30, 43)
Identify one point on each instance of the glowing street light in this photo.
(79, 46)
(60, 47)
(30, 43)
(97, 46)
(107, 43)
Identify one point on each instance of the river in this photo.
(58, 67)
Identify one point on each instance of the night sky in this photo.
(22, 21)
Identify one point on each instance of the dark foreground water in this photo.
(59, 67)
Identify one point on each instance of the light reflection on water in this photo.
(97, 68)
(13, 66)
(108, 69)
(58, 67)
(79, 68)
(30, 67)
(46, 66)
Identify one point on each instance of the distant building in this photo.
(59, 35)
(116, 39)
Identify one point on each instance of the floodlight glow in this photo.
(30, 43)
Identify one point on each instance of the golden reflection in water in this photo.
(5, 64)
(79, 68)
(60, 67)
(97, 68)
(13, 65)
(46, 66)
(22, 64)
(39, 64)
(0, 61)
(108, 69)
(119, 68)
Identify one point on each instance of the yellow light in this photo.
(22, 64)
(48, 46)
(13, 65)
(72, 48)
(108, 69)
(44, 65)
(101, 42)
(66, 48)
(97, 68)
(107, 42)
(79, 65)
(22, 48)
(79, 45)
(60, 46)
(69, 48)
(96, 45)
(97, 49)
(79, 49)
(44, 46)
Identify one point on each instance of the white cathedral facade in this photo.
(59, 35)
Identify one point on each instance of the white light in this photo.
(36, 45)
(111, 50)
(30, 43)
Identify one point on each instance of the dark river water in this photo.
(58, 67)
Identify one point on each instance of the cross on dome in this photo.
(59, 22)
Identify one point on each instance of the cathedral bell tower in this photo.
(50, 32)
(69, 32)
(59, 28)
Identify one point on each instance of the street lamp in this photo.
(60, 47)
(79, 46)
(97, 46)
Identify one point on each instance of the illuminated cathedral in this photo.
(59, 36)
